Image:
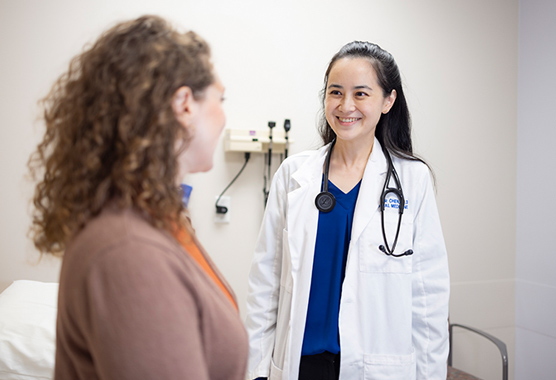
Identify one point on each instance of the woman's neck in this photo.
(348, 162)
(347, 154)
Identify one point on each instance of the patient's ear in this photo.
(184, 106)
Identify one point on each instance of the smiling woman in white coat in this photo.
(350, 274)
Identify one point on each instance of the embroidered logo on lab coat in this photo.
(394, 203)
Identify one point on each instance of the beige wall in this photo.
(459, 62)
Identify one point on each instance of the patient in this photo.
(139, 298)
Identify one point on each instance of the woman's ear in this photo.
(183, 105)
(390, 99)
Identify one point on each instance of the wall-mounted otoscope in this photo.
(271, 124)
(287, 127)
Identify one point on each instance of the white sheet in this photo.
(27, 330)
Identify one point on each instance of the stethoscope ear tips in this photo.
(325, 201)
(409, 252)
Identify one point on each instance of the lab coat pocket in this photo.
(390, 367)
(372, 259)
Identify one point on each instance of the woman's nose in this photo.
(347, 104)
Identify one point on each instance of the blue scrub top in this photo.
(329, 265)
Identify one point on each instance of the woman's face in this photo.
(205, 122)
(354, 100)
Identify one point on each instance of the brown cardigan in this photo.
(134, 305)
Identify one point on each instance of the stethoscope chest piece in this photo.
(325, 201)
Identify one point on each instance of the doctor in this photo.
(332, 296)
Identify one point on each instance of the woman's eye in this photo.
(360, 94)
(334, 92)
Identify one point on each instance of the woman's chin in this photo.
(202, 168)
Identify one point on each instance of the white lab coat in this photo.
(393, 319)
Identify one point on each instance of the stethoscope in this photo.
(325, 201)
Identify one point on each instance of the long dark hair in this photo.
(393, 130)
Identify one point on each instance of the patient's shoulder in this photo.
(117, 229)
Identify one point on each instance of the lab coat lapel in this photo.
(302, 226)
(302, 212)
(369, 192)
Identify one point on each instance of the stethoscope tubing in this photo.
(398, 192)
(325, 200)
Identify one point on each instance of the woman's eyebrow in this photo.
(363, 86)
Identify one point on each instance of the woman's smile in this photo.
(348, 120)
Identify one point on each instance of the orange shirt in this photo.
(188, 243)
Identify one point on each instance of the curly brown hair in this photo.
(111, 132)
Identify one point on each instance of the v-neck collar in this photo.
(354, 188)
